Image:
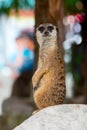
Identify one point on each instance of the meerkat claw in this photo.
(35, 111)
(34, 88)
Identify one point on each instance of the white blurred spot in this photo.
(69, 85)
(71, 19)
(67, 58)
(77, 28)
(6, 71)
(78, 39)
(66, 44)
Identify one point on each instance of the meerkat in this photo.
(49, 78)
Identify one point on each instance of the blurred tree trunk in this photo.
(49, 11)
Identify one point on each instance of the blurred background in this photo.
(19, 53)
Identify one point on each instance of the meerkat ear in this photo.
(57, 29)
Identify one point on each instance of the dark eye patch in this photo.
(41, 29)
(50, 28)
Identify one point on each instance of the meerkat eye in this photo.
(50, 28)
(41, 29)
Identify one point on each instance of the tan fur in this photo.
(49, 80)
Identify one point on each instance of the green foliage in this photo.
(7, 5)
(77, 60)
(4, 10)
(71, 6)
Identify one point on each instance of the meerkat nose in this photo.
(46, 32)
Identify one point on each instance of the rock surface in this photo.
(61, 117)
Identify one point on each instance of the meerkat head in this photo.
(46, 31)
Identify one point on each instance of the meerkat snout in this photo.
(46, 33)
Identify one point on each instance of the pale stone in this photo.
(60, 117)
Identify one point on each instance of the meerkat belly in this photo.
(51, 91)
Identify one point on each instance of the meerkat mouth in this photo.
(47, 35)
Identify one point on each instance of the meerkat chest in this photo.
(50, 58)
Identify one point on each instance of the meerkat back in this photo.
(49, 79)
